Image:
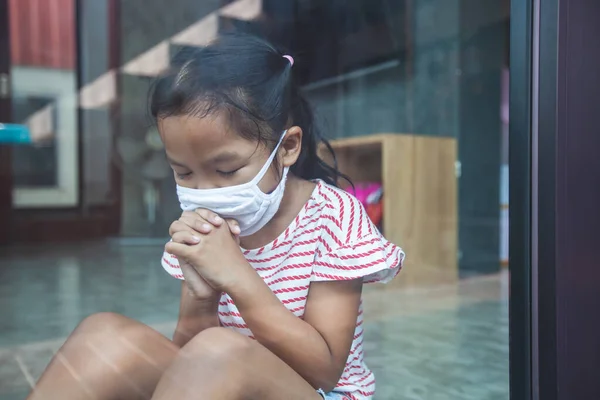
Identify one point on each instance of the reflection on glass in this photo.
(413, 94)
(34, 166)
(43, 79)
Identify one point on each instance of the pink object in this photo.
(367, 192)
(290, 58)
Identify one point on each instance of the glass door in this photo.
(43, 95)
(5, 176)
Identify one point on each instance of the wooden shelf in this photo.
(375, 139)
(420, 195)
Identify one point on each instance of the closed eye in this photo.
(183, 176)
(228, 173)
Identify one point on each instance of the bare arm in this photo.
(197, 309)
(317, 346)
(195, 315)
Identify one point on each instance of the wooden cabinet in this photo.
(418, 174)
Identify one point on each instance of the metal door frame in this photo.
(5, 115)
(554, 193)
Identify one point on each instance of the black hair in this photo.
(248, 78)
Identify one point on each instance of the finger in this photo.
(178, 249)
(175, 227)
(197, 223)
(202, 216)
(178, 226)
(185, 237)
(210, 216)
(191, 276)
(234, 227)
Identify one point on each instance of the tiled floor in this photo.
(434, 342)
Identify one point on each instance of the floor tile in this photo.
(447, 340)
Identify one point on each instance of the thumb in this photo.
(192, 278)
(234, 227)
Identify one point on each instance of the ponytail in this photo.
(309, 165)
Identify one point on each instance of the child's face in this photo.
(204, 154)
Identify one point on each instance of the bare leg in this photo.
(107, 357)
(221, 364)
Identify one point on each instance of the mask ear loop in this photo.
(265, 167)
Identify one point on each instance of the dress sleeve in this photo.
(171, 265)
(370, 257)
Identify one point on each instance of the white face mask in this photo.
(245, 203)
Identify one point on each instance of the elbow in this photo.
(330, 374)
(326, 385)
(327, 388)
(328, 379)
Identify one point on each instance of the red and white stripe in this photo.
(332, 238)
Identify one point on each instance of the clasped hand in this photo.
(207, 248)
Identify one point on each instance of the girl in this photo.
(272, 254)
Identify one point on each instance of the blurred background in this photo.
(412, 93)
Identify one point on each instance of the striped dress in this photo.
(331, 239)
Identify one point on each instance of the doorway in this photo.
(5, 160)
(54, 188)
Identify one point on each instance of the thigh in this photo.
(222, 364)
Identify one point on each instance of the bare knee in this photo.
(111, 356)
(116, 339)
(218, 345)
(207, 359)
(211, 365)
(108, 346)
(114, 330)
(103, 322)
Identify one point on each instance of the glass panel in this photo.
(44, 87)
(414, 96)
(34, 166)
(98, 104)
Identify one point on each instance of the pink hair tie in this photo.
(290, 59)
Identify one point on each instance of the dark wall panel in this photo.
(568, 193)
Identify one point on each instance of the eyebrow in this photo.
(175, 163)
(225, 157)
